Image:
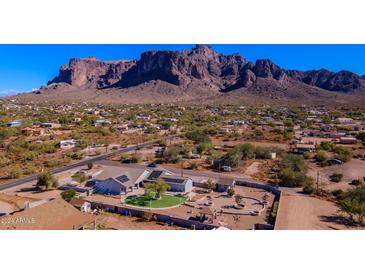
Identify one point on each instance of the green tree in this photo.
(158, 187)
(209, 184)
(361, 136)
(247, 151)
(353, 203)
(204, 147)
(233, 158)
(47, 181)
(343, 154)
(171, 155)
(290, 178)
(68, 194)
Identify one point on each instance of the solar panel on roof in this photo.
(154, 175)
(123, 178)
(174, 180)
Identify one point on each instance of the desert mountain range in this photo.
(201, 73)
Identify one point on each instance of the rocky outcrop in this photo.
(92, 73)
(200, 68)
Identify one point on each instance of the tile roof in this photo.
(54, 215)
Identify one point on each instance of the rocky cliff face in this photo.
(92, 73)
(201, 67)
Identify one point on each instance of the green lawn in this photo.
(147, 201)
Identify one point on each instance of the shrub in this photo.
(204, 147)
(79, 177)
(68, 194)
(356, 182)
(193, 165)
(307, 155)
(361, 136)
(263, 153)
(294, 162)
(308, 188)
(328, 146)
(321, 157)
(135, 158)
(338, 193)
(171, 155)
(15, 173)
(343, 154)
(198, 136)
(336, 177)
(274, 210)
(291, 178)
(230, 192)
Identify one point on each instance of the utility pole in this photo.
(317, 182)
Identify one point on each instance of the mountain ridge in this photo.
(201, 66)
(188, 75)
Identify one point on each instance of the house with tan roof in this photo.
(56, 214)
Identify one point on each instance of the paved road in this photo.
(103, 156)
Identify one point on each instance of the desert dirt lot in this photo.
(299, 212)
(119, 222)
(352, 170)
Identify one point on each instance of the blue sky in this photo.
(25, 67)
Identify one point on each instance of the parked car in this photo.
(335, 162)
(153, 165)
(226, 168)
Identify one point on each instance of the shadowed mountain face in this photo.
(202, 68)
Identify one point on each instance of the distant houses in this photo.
(50, 125)
(303, 148)
(68, 144)
(101, 122)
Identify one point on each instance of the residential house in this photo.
(101, 122)
(224, 183)
(33, 131)
(344, 120)
(303, 148)
(56, 214)
(50, 125)
(68, 144)
(348, 140)
(177, 183)
(117, 180)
